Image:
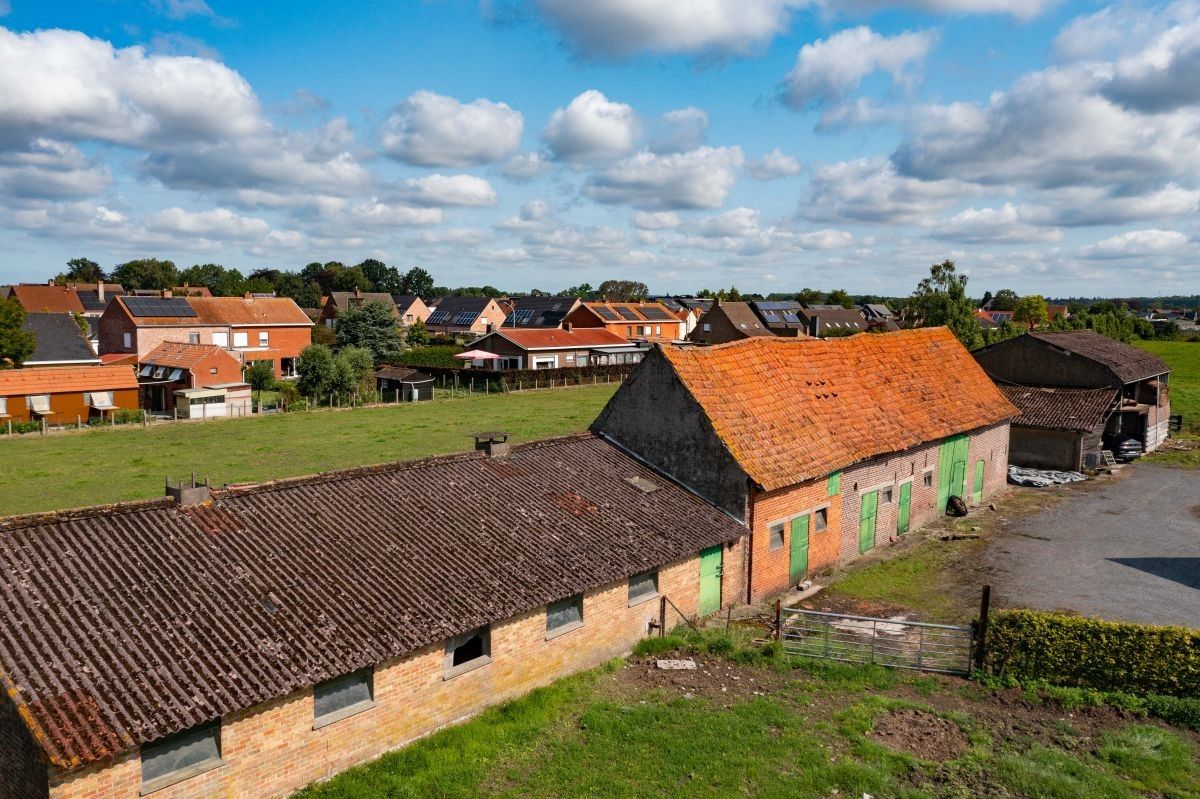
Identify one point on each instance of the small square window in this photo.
(181, 756)
(776, 536)
(263, 338)
(212, 370)
(564, 616)
(820, 519)
(342, 697)
(707, 327)
(193, 338)
(885, 496)
(468, 651)
(927, 480)
(127, 340)
(643, 586)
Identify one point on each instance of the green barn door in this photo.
(904, 510)
(710, 580)
(799, 547)
(952, 469)
(866, 521)
(977, 495)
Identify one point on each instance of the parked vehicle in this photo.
(1123, 447)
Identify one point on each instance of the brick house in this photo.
(175, 366)
(259, 638)
(410, 309)
(65, 395)
(555, 348)
(634, 321)
(822, 448)
(455, 316)
(728, 321)
(251, 328)
(540, 311)
(341, 300)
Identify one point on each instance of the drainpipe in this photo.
(748, 558)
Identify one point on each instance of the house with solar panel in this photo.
(634, 321)
(540, 312)
(457, 316)
(556, 348)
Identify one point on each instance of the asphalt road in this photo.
(1127, 548)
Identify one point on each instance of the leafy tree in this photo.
(323, 334)
(417, 282)
(733, 295)
(146, 273)
(355, 372)
(987, 297)
(383, 277)
(808, 296)
(15, 344)
(583, 290)
(623, 290)
(941, 299)
(207, 275)
(352, 279)
(253, 285)
(417, 334)
(323, 275)
(1031, 311)
(315, 371)
(840, 297)
(1005, 300)
(261, 376)
(306, 293)
(81, 270)
(370, 326)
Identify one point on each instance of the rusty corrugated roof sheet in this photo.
(791, 410)
(122, 624)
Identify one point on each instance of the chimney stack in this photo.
(814, 326)
(186, 495)
(100, 290)
(166, 293)
(494, 444)
(357, 292)
(566, 327)
(247, 296)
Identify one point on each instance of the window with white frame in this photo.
(221, 339)
(776, 532)
(181, 756)
(643, 586)
(341, 697)
(3, 406)
(927, 478)
(468, 651)
(263, 338)
(241, 338)
(100, 400)
(564, 616)
(658, 330)
(127, 340)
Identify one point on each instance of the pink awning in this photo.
(477, 355)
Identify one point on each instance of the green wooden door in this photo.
(710, 580)
(799, 547)
(904, 509)
(952, 469)
(977, 494)
(866, 521)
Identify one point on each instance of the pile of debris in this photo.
(1041, 478)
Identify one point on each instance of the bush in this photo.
(433, 355)
(127, 416)
(1092, 653)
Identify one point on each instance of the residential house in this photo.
(879, 316)
(556, 348)
(689, 309)
(341, 300)
(996, 318)
(634, 321)
(403, 384)
(65, 395)
(46, 298)
(1054, 311)
(540, 311)
(410, 309)
(59, 341)
(453, 316)
(1086, 359)
(822, 448)
(1059, 427)
(95, 297)
(174, 367)
(781, 317)
(247, 641)
(252, 328)
(728, 321)
(832, 320)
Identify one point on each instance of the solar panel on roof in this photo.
(772, 305)
(465, 318)
(438, 317)
(159, 306)
(606, 313)
(553, 317)
(521, 316)
(628, 314)
(791, 317)
(653, 312)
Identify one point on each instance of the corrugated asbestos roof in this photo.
(122, 624)
(790, 410)
(1059, 408)
(1126, 361)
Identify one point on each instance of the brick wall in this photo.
(22, 775)
(271, 750)
(771, 568)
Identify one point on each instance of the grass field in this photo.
(111, 465)
(1184, 359)
(745, 724)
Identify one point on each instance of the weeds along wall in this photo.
(1093, 653)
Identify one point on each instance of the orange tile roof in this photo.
(791, 410)
(48, 299)
(211, 311)
(179, 355)
(65, 380)
(534, 338)
(635, 308)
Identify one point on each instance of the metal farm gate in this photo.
(888, 642)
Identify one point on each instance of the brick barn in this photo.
(824, 449)
(244, 642)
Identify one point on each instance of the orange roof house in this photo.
(556, 348)
(174, 365)
(66, 394)
(818, 431)
(38, 298)
(634, 321)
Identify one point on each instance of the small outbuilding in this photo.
(1059, 426)
(403, 384)
(213, 402)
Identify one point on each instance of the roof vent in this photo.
(494, 444)
(642, 484)
(187, 495)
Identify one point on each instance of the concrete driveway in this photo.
(1125, 548)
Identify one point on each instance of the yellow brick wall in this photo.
(271, 750)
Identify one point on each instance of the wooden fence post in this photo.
(985, 601)
(778, 619)
(662, 616)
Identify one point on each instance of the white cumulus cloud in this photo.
(700, 178)
(828, 69)
(592, 127)
(1138, 244)
(430, 129)
(449, 190)
(774, 164)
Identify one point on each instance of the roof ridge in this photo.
(25, 520)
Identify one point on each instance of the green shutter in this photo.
(835, 483)
(977, 496)
(799, 560)
(904, 511)
(866, 523)
(710, 580)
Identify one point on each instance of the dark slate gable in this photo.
(59, 339)
(1127, 362)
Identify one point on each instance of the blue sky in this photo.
(772, 144)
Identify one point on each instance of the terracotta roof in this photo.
(791, 410)
(47, 299)
(649, 311)
(214, 311)
(1127, 362)
(122, 624)
(178, 355)
(110, 358)
(1059, 408)
(543, 338)
(65, 380)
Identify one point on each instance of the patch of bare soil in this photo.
(715, 678)
(854, 606)
(920, 734)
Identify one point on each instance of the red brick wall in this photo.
(271, 750)
(229, 370)
(283, 342)
(22, 775)
(771, 569)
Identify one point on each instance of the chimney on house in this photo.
(814, 326)
(186, 495)
(716, 302)
(167, 293)
(50, 282)
(494, 444)
(247, 296)
(566, 327)
(100, 290)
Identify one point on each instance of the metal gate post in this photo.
(778, 619)
(874, 635)
(662, 616)
(981, 645)
(920, 647)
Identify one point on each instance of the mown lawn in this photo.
(1184, 359)
(110, 465)
(777, 727)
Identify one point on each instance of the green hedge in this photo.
(433, 355)
(1092, 653)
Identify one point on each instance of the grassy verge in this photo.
(1184, 359)
(111, 465)
(809, 729)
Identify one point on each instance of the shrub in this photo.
(1093, 653)
(433, 355)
